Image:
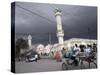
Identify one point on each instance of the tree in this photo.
(20, 44)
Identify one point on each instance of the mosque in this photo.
(60, 34)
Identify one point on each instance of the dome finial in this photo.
(57, 10)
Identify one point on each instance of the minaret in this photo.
(30, 41)
(60, 32)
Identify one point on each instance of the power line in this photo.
(35, 33)
(34, 13)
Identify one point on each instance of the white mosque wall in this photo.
(79, 41)
(40, 48)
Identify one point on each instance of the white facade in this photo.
(79, 41)
(40, 48)
(67, 44)
(48, 48)
(43, 49)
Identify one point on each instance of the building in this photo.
(79, 41)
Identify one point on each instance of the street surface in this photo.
(44, 65)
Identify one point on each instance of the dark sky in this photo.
(39, 20)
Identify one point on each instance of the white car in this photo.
(32, 58)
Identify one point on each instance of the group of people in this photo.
(74, 51)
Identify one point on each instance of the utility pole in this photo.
(50, 38)
(89, 34)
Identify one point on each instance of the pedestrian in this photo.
(36, 57)
(87, 51)
(76, 51)
(63, 52)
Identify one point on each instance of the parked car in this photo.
(32, 56)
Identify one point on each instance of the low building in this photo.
(41, 49)
(79, 41)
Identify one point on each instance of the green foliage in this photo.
(20, 44)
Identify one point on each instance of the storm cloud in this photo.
(39, 20)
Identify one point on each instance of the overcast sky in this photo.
(39, 19)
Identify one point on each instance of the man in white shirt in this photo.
(87, 51)
(76, 51)
(36, 57)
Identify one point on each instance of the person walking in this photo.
(76, 51)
